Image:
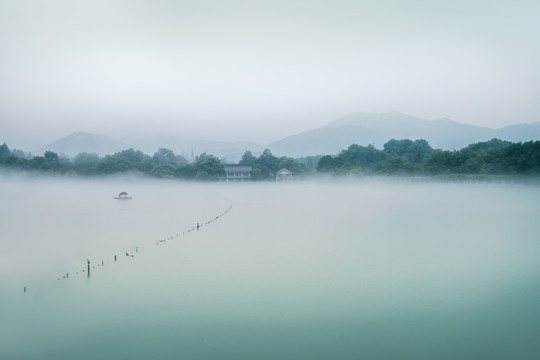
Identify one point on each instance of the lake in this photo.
(302, 270)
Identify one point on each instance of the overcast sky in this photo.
(260, 70)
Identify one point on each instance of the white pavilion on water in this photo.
(283, 175)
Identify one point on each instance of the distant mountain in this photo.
(80, 142)
(325, 140)
(378, 128)
(519, 132)
(357, 128)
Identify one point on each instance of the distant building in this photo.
(283, 175)
(237, 172)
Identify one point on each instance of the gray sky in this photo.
(260, 70)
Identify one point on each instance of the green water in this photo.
(292, 271)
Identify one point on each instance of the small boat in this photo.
(123, 196)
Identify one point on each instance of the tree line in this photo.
(398, 157)
(414, 158)
(162, 164)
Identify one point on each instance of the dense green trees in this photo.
(207, 167)
(485, 158)
(50, 156)
(406, 157)
(521, 158)
(266, 165)
(398, 157)
(4, 152)
(416, 152)
(86, 163)
(330, 164)
(163, 164)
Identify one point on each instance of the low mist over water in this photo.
(305, 270)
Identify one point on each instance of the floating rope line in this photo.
(102, 263)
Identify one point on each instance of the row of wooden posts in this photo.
(196, 227)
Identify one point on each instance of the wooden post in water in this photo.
(88, 262)
(25, 289)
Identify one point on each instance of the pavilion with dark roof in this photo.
(237, 172)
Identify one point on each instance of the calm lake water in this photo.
(361, 270)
